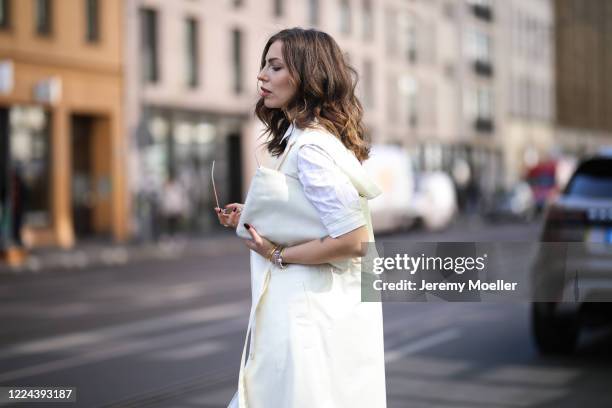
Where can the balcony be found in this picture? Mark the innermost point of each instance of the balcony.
(482, 12)
(483, 68)
(484, 125)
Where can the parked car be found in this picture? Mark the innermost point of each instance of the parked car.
(408, 196)
(548, 178)
(517, 204)
(573, 268)
(435, 200)
(392, 169)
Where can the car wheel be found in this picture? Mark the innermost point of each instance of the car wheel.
(554, 333)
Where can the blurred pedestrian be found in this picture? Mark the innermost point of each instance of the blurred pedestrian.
(18, 199)
(174, 205)
(313, 342)
(462, 174)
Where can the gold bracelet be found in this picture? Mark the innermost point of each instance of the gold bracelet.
(274, 248)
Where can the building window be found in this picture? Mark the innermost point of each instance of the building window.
(313, 12)
(368, 20)
(483, 109)
(191, 41)
(480, 46)
(482, 9)
(345, 16)
(181, 150)
(43, 15)
(278, 8)
(410, 51)
(93, 20)
(368, 83)
(5, 14)
(30, 152)
(479, 49)
(237, 60)
(391, 32)
(149, 45)
(392, 98)
(406, 26)
(485, 103)
(408, 87)
(449, 9)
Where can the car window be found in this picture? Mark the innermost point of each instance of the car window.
(592, 179)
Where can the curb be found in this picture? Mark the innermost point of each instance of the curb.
(87, 257)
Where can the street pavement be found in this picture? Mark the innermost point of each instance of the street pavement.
(168, 332)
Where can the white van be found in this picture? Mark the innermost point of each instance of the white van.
(408, 196)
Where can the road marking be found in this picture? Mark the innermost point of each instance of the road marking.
(422, 344)
(67, 310)
(186, 353)
(189, 317)
(140, 290)
(128, 348)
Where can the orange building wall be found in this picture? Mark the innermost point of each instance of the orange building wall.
(91, 78)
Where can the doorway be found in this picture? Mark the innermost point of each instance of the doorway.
(234, 155)
(91, 176)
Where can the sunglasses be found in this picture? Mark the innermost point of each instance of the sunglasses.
(212, 176)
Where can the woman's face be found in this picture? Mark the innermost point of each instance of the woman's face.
(276, 87)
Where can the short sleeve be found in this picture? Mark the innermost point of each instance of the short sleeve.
(329, 190)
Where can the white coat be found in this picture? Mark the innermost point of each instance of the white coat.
(313, 343)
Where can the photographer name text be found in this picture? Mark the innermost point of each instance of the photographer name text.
(406, 285)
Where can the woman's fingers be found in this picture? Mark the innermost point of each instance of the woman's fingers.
(229, 215)
(256, 238)
(258, 244)
(219, 214)
(224, 219)
(234, 218)
(234, 208)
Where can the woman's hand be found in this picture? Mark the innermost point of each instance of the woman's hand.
(258, 244)
(230, 216)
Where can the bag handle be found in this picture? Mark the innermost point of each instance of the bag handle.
(255, 154)
(281, 159)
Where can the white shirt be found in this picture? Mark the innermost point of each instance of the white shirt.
(328, 189)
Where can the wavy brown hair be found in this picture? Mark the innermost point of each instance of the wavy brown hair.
(325, 85)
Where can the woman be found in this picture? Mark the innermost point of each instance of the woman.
(316, 343)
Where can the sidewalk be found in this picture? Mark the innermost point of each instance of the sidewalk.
(88, 255)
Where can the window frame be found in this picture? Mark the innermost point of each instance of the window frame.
(43, 28)
(92, 31)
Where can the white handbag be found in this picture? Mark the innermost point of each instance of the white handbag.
(267, 208)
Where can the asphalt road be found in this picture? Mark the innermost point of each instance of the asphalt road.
(169, 333)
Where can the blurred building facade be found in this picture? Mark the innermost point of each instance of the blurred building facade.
(61, 118)
(115, 106)
(583, 66)
(527, 86)
(494, 76)
(189, 99)
(429, 78)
